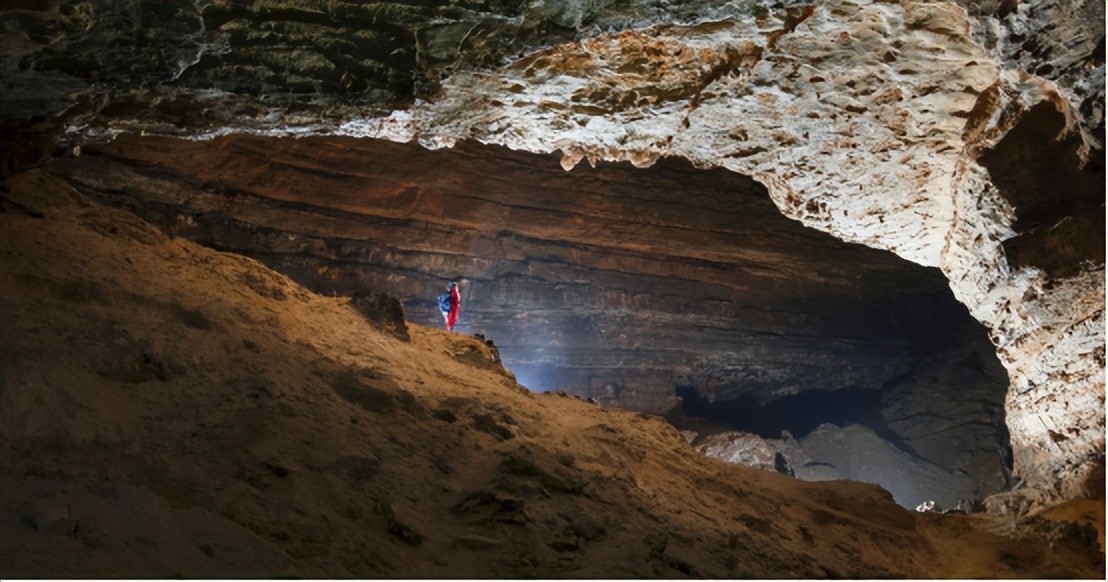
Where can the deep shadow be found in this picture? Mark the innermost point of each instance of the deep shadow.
(799, 414)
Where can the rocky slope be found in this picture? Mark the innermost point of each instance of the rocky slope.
(172, 411)
(598, 281)
(878, 123)
(937, 130)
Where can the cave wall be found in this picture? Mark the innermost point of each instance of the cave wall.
(612, 281)
(642, 288)
(872, 121)
(866, 120)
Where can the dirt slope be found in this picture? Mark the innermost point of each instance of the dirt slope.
(166, 410)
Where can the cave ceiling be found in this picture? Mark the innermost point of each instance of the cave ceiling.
(903, 126)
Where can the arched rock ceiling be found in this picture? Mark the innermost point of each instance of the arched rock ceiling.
(883, 123)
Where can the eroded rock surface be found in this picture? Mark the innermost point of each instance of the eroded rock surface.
(171, 411)
(594, 281)
(851, 452)
(870, 131)
(872, 121)
(597, 283)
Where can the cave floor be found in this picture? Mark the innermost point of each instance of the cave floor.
(169, 411)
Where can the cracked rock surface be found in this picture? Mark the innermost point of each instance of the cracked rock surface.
(170, 411)
(879, 123)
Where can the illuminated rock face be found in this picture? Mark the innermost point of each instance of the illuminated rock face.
(614, 277)
(633, 286)
(865, 120)
(922, 128)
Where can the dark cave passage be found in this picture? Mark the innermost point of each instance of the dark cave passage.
(799, 414)
(936, 432)
(280, 399)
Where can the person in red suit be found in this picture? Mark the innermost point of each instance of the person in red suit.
(451, 306)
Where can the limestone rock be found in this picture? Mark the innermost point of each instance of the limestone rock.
(858, 454)
(381, 310)
(572, 275)
(739, 448)
(178, 477)
(869, 120)
(951, 414)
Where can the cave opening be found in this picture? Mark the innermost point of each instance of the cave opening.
(974, 134)
(664, 289)
(798, 414)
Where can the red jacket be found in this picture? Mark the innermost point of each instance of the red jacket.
(455, 307)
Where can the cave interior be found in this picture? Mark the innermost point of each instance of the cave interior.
(671, 290)
(839, 240)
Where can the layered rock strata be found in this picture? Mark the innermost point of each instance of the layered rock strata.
(169, 411)
(871, 131)
(872, 121)
(613, 278)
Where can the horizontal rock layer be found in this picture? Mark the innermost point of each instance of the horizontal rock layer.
(613, 278)
(170, 411)
(868, 120)
(873, 122)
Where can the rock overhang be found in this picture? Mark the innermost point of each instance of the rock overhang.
(864, 119)
(612, 282)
